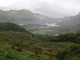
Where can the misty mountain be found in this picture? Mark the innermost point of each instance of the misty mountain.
(72, 22)
(22, 17)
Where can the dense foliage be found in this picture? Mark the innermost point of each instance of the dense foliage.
(21, 45)
(6, 26)
(70, 54)
(16, 44)
(69, 37)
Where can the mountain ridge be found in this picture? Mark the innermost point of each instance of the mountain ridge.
(22, 17)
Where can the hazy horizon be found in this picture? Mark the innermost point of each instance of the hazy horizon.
(51, 8)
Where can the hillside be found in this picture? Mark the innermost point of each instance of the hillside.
(21, 45)
(71, 21)
(14, 41)
(22, 17)
(6, 26)
(69, 24)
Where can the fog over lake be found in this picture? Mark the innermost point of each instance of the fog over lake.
(45, 24)
(50, 24)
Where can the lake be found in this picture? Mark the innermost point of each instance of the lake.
(51, 24)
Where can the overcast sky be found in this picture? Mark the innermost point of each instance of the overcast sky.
(52, 8)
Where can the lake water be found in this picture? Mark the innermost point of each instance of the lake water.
(51, 24)
(47, 25)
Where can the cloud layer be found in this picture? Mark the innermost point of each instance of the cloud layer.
(52, 8)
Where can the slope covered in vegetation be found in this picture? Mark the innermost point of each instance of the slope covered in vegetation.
(6, 26)
(18, 45)
(14, 41)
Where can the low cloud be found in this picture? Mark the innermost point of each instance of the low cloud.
(52, 8)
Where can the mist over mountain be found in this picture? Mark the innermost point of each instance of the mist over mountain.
(73, 20)
(22, 17)
(73, 23)
(26, 17)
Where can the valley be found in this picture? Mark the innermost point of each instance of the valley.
(28, 36)
(39, 29)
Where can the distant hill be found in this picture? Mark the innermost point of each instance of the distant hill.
(72, 22)
(22, 17)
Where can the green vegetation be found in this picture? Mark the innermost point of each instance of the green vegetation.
(6, 26)
(22, 45)
(14, 42)
(70, 54)
(18, 44)
(70, 37)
